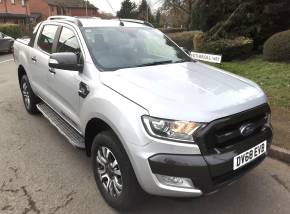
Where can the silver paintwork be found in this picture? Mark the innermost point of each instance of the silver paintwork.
(185, 91)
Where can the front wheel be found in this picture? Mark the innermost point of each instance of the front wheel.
(30, 100)
(113, 172)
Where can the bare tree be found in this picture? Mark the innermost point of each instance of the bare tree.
(184, 6)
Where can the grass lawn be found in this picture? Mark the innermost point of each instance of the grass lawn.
(274, 78)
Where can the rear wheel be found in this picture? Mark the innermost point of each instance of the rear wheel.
(30, 100)
(113, 172)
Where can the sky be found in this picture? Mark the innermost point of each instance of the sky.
(116, 4)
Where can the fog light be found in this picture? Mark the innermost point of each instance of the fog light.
(175, 181)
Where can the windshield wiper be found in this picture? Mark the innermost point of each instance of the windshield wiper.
(155, 63)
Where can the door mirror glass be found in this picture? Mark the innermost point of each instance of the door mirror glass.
(66, 61)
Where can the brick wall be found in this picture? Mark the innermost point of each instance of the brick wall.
(40, 6)
(16, 8)
(82, 12)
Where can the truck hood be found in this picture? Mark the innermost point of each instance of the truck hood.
(185, 91)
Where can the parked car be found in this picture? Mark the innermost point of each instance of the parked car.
(6, 43)
(152, 119)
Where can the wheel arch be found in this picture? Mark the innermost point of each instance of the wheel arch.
(95, 126)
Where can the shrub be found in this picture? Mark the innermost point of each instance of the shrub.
(172, 30)
(184, 39)
(277, 47)
(12, 30)
(237, 48)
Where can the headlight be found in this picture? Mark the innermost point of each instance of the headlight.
(170, 129)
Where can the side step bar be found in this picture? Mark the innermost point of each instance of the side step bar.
(62, 126)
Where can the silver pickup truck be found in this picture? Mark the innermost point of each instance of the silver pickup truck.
(152, 119)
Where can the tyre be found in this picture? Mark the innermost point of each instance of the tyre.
(30, 100)
(113, 172)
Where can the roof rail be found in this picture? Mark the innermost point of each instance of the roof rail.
(66, 18)
(138, 21)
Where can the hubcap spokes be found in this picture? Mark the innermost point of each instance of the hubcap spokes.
(26, 94)
(109, 172)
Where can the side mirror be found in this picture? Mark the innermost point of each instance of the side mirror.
(66, 61)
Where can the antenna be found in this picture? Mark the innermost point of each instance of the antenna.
(121, 23)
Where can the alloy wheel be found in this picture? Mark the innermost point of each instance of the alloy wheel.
(25, 94)
(109, 172)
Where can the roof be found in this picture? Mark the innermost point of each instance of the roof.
(98, 22)
(70, 3)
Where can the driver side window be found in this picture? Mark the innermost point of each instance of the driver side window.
(67, 42)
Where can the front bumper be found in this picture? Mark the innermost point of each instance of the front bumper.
(208, 174)
(209, 163)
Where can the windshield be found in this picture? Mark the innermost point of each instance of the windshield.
(115, 48)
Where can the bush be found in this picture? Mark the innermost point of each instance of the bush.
(277, 47)
(184, 39)
(172, 30)
(237, 48)
(12, 30)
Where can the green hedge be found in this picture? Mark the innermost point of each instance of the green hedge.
(184, 39)
(12, 30)
(277, 47)
(237, 48)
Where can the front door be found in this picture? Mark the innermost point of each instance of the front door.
(64, 84)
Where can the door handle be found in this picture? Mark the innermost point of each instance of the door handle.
(51, 70)
(34, 59)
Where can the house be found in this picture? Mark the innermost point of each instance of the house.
(15, 11)
(41, 9)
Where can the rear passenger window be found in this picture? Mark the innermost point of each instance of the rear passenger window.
(46, 38)
(67, 42)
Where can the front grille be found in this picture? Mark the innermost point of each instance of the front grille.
(224, 133)
(231, 134)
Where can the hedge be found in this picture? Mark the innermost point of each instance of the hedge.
(277, 47)
(172, 30)
(230, 49)
(185, 39)
(12, 30)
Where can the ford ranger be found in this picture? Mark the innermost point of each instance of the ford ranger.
(152, 119)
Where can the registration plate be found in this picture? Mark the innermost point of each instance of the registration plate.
(249, 155)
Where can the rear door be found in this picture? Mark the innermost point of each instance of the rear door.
(39, 57)
(63, 85)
